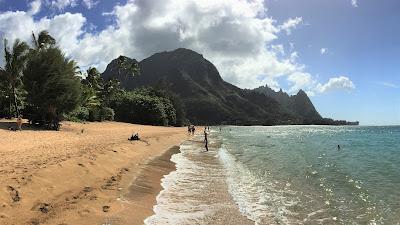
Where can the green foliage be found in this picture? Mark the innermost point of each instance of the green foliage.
(173, 106)
(11, 75)
(179, 111)
(5, 104)
(89, 97)
(94, 114)
(43, 83)
(93, 79)
(125, 65)
(106, 113)
(92, 86)
(137, 107)
(101, 114)
(110, 91)
(52, 85)
(44, 40)
(79, 114)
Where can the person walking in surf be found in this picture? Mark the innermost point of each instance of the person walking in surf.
(193, 129)
(206, 139)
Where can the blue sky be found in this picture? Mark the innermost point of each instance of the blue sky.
(344, 53)
(362, 42)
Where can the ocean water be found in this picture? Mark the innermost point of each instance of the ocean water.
(285, 175)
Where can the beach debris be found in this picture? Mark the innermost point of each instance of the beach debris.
(134, 137)
(106, 208)
(110, 183)
(14, 194)
(45, 207)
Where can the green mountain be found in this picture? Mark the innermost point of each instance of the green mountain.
(299, 104)
(206, 97)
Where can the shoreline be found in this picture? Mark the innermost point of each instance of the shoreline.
(79, 175)
(140, 195)
(197, 191)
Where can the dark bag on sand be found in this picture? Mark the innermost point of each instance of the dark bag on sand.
(134, 137)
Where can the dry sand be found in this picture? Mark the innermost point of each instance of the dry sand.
(83, 174)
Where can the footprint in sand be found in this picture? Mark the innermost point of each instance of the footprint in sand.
(42, 207)
(3, 216)
(14, 194)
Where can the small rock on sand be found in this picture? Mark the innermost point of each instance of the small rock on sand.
(106, 208)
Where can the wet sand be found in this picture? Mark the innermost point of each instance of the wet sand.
(83, 174)
(140, 196)
(197, 192)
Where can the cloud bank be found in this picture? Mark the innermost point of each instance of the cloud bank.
(336, 83)
(236, 35)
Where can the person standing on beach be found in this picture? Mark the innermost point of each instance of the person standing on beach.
(189, 129)
(19, 123)
(193, 129)
(206, 139)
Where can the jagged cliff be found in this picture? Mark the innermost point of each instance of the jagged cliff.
(206, 97)
(299, 104)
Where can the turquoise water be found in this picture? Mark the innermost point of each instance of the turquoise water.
(297, 175)
(284, 175)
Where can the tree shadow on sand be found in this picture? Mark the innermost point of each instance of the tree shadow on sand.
(11, 125)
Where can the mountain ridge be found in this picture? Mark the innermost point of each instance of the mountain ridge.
(206, 97)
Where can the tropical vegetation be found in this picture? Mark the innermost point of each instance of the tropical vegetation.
(39, 82)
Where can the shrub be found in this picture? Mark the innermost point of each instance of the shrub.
(143, 109)
(79, 114)
(106, 113)
(94, 114)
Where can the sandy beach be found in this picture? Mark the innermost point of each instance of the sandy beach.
(84, 174)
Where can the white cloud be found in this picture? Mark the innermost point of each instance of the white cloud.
(90, 3)
(300, 80)
(35, 7)
(235, 35)
(62, 4)
(336, 83)
(354, 3)
(323, 51)
(291, 24)
(388, 84)
(293, 57)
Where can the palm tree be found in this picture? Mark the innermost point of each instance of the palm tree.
(11, 74)
(44, 40)
(92, 88)
(128, 66)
